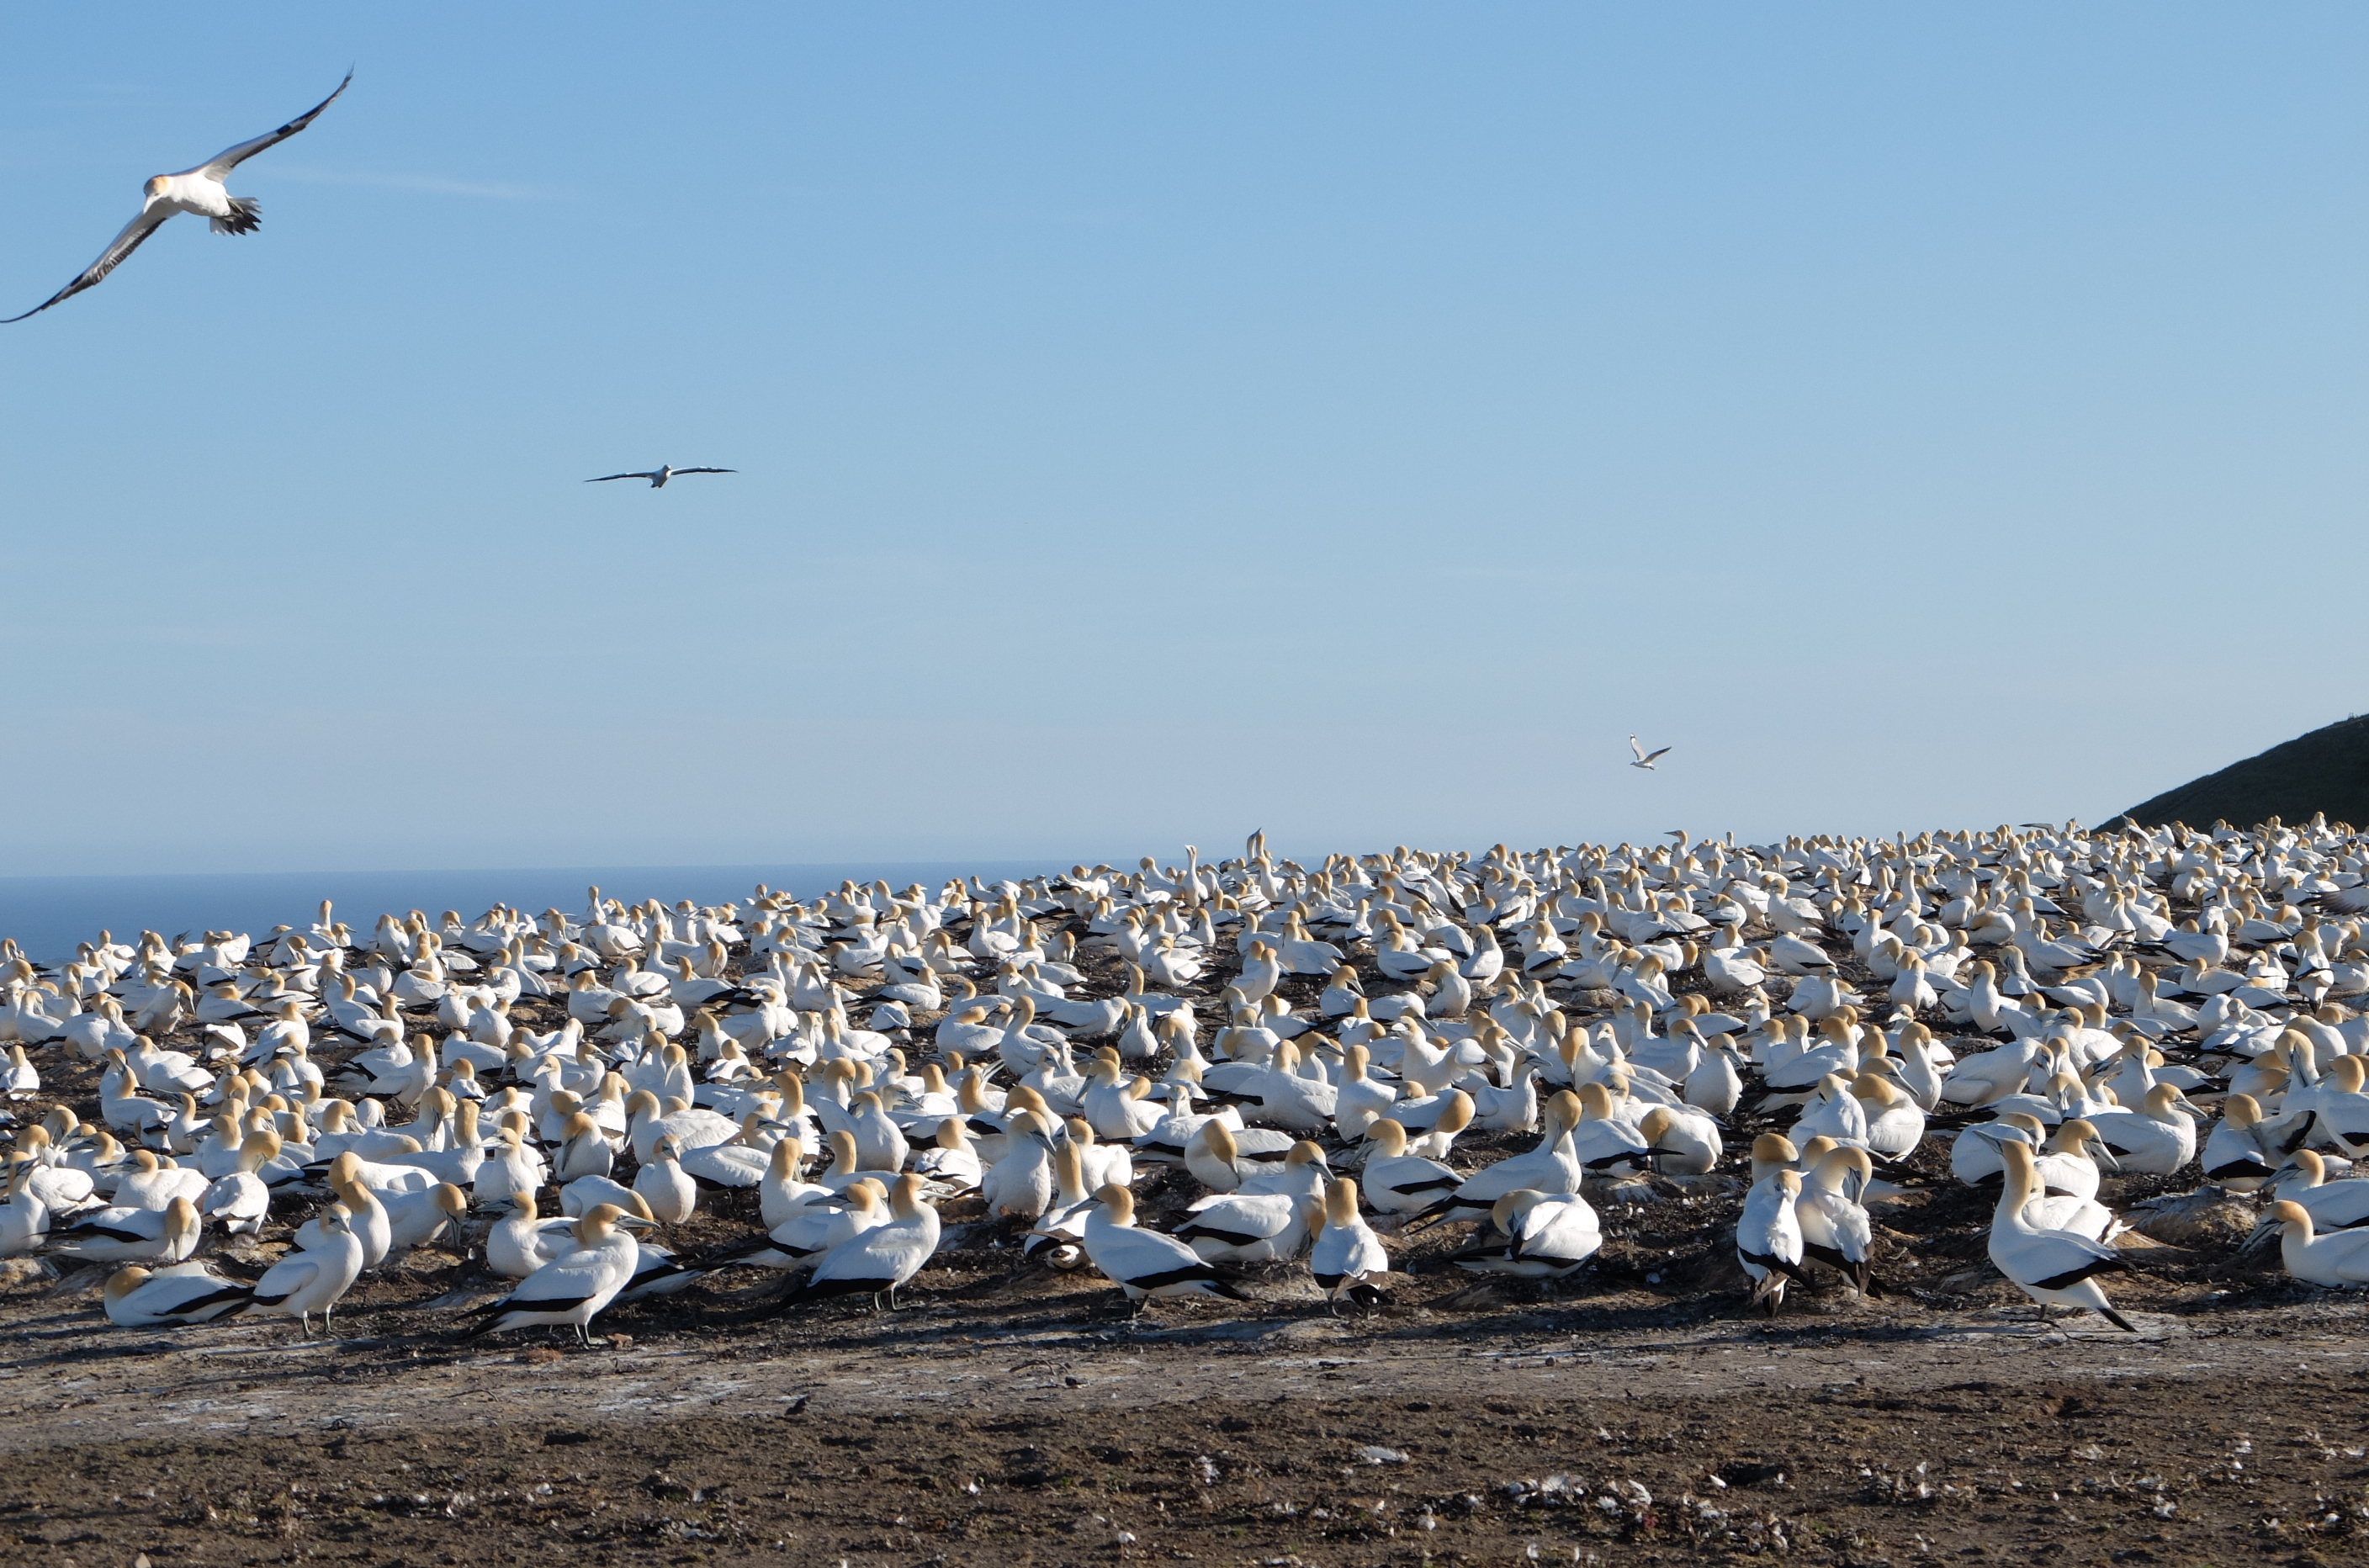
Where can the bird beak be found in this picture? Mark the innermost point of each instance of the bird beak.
(2103, 1155)
(636, 1222)
(2264, 1232)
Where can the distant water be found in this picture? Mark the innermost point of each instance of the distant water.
(48, 915)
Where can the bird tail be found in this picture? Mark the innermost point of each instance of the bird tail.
(2119, 1320)
(245, 217)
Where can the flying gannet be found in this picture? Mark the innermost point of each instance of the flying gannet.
(1644, 758)
(658, 476)
(199, 191)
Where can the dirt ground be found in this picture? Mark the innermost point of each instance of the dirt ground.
(1510, 1433)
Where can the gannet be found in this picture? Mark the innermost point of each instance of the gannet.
(657, 477)
(182, 1293)
(2053, 1268)
(573, 1287)
(1347, 1257)
(192, 191)
(315, 1278)
(1145, 1263)
(877, 1260)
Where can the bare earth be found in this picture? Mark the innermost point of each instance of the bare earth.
(1848, 1434)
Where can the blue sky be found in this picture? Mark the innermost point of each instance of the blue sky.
(1157, 423)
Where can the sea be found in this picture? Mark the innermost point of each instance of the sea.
(49, 915)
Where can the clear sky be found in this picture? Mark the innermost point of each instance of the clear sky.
(1157, 422)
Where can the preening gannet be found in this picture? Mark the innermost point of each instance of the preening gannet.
(199, 191)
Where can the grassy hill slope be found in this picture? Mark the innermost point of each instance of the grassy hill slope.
(2327, 770)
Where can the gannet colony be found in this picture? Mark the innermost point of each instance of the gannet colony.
(1247, 1086)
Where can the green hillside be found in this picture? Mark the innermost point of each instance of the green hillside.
(2327, 770)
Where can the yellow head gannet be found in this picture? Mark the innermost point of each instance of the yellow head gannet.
(182, 1293)
(573, 1287)
(1768, 1236)
(1537, 1235)
(1348, 1258)
(199, 191)
(316, 1278)
(2055, 1268)
(875, 1261)
(1145, 1263)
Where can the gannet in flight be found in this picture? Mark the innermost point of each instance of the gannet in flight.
(198, 190)
(658, 477)
(1644, 758)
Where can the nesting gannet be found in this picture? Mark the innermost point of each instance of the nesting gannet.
(2339, 1257)
(197, 191)
(1145, 1263)
(657, 477)
(1257, 1228)
(1536, 1235)
(1645, 759)
(133, 1235)
(181, 1293)
(875, 1261)
(573, 1287)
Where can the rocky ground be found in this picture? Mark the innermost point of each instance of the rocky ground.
(1540, 1430)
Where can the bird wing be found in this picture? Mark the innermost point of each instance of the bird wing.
(1633, 746)
(563, 1283)
(708, 471)
(123, 244)
(606, 478)
(286, 1277)
(1652, 755)
(229, 158)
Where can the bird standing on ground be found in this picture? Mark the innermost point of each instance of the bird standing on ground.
(657, 477)
(199, 191)
(2055, 1268)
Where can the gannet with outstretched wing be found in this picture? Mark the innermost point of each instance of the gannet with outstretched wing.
(199, 191)
(1644, 758)
(659, 475)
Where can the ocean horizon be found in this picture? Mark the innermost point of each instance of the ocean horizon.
(49, 915)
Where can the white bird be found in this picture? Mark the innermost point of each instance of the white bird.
(184, 1293)
(1644, 758)
(198, 190)
(1768, 1236)
(1348, 1257)
(1538, 1236)
(1259, 1228)
(2055, 1268)
(1145, 1263)
(134, 1235)
(657, 477)
(2339, 1258)
(316, 1278)
(573, 1287)
(877, 1260)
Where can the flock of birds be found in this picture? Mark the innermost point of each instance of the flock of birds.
(1318, 1050)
